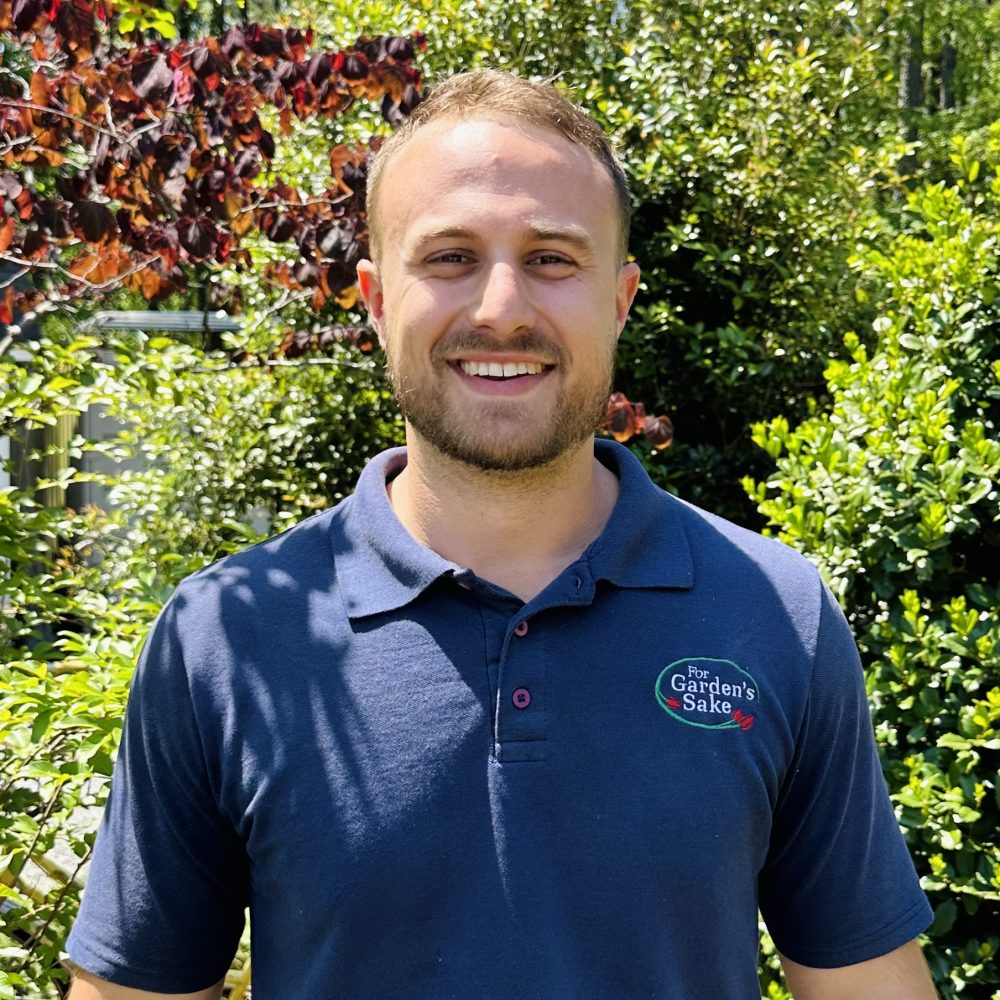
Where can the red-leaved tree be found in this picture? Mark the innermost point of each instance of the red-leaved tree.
(144, 160)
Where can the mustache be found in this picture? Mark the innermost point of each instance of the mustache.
(475, 341)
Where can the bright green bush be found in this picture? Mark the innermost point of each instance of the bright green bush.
(894, 490)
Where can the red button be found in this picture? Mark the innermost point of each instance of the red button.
(521, 628)
(521, 698)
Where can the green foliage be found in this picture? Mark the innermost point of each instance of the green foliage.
(893, 490)
(67, 649)
(745, 130)
(229, 453)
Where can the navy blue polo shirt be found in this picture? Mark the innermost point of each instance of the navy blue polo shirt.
(424, 788)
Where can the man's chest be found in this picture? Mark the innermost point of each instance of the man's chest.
(650, 742)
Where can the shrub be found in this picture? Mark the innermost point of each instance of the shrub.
(67, 649)
(893, 490)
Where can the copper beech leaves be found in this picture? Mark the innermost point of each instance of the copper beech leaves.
(625, 419)
(150, 158)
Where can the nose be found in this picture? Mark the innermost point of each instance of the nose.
(502, 302)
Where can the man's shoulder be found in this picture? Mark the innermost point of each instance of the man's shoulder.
(735, 541)
(730, 555)
(305, 547)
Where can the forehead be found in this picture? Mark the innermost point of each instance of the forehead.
(454, 172)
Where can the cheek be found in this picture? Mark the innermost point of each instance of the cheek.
(420, 309)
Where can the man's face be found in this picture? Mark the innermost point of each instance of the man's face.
(498, 296)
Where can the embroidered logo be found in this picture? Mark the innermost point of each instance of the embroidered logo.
(708, 693)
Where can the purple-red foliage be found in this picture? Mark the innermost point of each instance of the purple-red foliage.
(172, 148)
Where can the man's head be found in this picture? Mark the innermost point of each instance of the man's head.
(490, 93)
(498, 287)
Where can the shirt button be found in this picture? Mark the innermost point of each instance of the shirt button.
(521, 628)
(521, 698)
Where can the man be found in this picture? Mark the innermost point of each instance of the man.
(510, 722)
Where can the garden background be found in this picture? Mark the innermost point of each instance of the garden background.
(816, 193)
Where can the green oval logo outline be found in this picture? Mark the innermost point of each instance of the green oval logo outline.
(662, 702)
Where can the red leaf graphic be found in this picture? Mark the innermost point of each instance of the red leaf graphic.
(673, 703)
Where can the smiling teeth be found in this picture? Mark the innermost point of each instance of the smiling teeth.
(496, 370)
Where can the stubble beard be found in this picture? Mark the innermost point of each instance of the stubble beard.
(505, 437)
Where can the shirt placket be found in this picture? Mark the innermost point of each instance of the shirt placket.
(520, 730)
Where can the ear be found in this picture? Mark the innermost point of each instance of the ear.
(628, 285)
(370, 286)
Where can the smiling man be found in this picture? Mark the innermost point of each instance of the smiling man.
(510, 722)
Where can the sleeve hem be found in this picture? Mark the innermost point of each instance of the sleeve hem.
(915, 920)
(134, 977)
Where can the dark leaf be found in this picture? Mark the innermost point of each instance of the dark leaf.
(391, 112)
(354, 66)
(52, 218)
(620, 418)
(92, 220)
(306, 273)
(319, 68)
(264, 41)
(74, 187)
(659, 431)
(74, 21)
(411, 98)
(373, 49)
(125, 227)
(234, 40)
(100, 165)
(295, 343)
(173, 154)
(198, 237)
(25, 12)
(34, 243)
(400, 49)
(282, 229)
(151, 76)
(247, 164)
(207, 63)
(289, 73)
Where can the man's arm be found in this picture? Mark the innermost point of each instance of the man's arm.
(900, 975)
(88, 987)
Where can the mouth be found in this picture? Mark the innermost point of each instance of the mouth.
(501, 371)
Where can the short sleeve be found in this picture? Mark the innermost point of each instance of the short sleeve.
(163, 907)
(838, 886)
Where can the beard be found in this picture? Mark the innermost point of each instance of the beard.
(504, 435)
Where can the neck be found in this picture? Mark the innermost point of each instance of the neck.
(518, 530)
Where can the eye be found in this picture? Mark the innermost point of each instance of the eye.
(450, 257)
(551, 260)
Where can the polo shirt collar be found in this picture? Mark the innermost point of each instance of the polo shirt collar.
(382, 567)
(644, 543)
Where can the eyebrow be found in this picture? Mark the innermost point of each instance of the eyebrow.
(574, 236)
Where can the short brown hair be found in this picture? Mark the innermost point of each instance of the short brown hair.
(489, 93)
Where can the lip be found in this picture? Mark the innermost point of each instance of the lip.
(517, 385)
